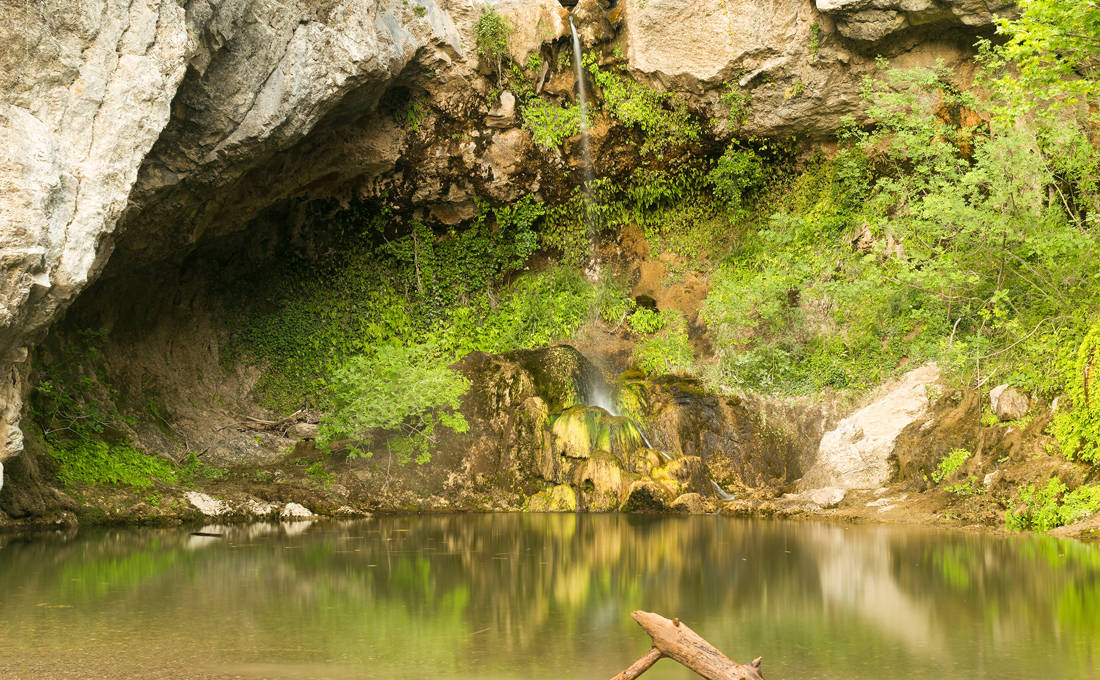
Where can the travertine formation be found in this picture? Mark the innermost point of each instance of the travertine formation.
(133, 131)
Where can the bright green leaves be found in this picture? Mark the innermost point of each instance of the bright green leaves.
(550, 124)
(736, 173)
(662, 118)
(1077, 425)
(1043, 508)
(491, 33)
(407, 389)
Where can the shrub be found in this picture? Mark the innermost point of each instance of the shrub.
(491, 35)
(736, 173)
(550, 125)
(409, 389)
(1077, 425)
(1053, 505)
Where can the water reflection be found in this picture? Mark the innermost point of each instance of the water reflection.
(545, 596)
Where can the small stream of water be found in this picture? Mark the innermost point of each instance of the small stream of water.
(582, 101)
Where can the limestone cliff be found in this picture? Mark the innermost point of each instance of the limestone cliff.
(132, 132)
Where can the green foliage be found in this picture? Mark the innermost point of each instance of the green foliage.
(491, 33)
(736, 173)
(661, 117)
(321, 477)
(738, 103)
(550, 124)
(192, 469)
(950, 230)
(1076, 426)
(412, 115)
(1053, 45)
(405, 388)
(667, 349)
(647, 321)
(613, 301)
(77, 410)
(815, 40)
(373, 288)
(1053, 505)
(949, 464)
(89, 461)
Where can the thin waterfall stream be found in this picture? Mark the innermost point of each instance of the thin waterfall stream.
(601, 396)
(582, 101)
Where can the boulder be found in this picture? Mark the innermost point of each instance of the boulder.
(504, 113)
(827, 497)
(857, 453)
(1008, 403)
(303, 431)
(294, 511)
(561, 498)
(690, 503)
(206, 504)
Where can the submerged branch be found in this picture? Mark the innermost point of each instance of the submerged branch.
(676, 641)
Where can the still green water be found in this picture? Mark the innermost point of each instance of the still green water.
(545, 596)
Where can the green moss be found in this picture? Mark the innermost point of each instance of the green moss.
(97, 462)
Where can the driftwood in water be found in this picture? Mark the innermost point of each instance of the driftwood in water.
(676, 641)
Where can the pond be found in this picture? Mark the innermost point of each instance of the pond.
(545, 596)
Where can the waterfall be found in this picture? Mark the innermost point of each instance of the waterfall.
(598, 393)
(578, 68)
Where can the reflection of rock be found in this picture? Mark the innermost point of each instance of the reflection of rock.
(858, 574)
(857, 453)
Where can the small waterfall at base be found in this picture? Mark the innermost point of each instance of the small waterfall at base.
(598, 393)
(582, 100)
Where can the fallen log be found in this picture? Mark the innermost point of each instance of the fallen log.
(676, 641)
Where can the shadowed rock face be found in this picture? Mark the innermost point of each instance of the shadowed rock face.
(137, 131)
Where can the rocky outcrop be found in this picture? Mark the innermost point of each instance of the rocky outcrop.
(137, 131)
(857, 453)
(84, 93)
(874, 20)
(792, 67)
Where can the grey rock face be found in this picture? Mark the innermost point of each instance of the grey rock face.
(874, 20)
(856, 454)
(84, 93)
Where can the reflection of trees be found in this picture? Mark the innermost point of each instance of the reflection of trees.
(548, 596)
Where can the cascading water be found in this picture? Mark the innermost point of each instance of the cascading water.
(598, 393)
(582, 101)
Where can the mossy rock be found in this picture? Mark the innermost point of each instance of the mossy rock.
(602, 481)
(562, 376)
(645, 496)
(580, 430)
(561, 498)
